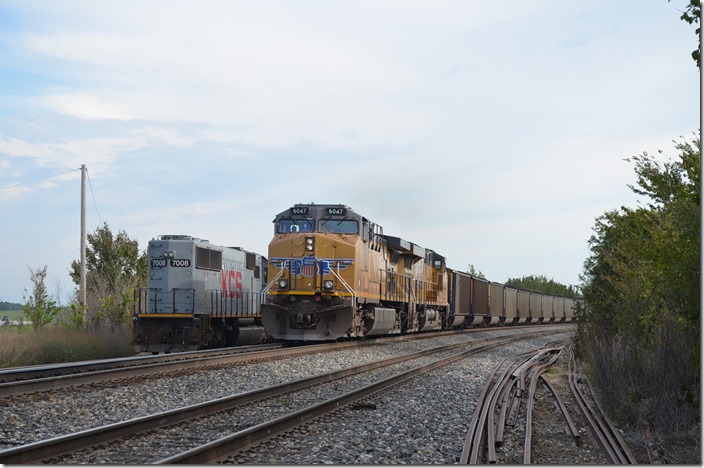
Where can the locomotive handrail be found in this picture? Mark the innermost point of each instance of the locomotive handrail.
(265, 291)
(344, 283)
(231, 303)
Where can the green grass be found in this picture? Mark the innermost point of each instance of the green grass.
(13, 314)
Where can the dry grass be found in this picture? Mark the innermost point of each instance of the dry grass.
(21, 346)
(657, 385)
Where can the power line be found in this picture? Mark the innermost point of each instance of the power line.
(93, 195)
(37, 180)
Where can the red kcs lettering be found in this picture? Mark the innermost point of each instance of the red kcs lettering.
(227, 276)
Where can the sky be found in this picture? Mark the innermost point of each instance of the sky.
(494, 133)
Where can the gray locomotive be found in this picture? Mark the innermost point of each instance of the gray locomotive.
(199, 295)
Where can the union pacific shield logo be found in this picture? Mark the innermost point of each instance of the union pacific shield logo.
(307, 266)
(310, 266)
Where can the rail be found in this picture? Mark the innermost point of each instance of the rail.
(606, 435)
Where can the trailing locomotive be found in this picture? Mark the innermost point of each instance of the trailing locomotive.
(199, 295)
(336, 274)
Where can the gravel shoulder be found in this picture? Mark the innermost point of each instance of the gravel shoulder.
(420, 422)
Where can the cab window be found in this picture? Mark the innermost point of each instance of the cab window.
(294, 225)
(339, 226)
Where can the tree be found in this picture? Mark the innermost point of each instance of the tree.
(691, 15)
(38, 306)
(114, 267)
(543, 285)
(648, 258)
(641, 285)
(476, 273)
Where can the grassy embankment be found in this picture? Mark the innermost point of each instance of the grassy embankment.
(22, 346)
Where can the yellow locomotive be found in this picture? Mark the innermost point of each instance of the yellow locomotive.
(335, 274)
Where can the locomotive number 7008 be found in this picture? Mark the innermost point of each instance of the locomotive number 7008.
(174, 262)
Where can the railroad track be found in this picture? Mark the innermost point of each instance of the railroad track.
(18, 381)
(607, 436)
(16, 375)
(167, 429)
(31, 379)
(513, 384)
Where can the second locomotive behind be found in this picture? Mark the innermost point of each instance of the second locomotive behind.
(199, 295)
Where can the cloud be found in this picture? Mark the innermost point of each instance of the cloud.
(492, 133)
(85, 106)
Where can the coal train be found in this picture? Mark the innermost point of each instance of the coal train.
(198, 295)
(334, 274)
(337, 275)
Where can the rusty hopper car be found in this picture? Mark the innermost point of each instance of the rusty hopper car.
(336, 274)
(199, 295)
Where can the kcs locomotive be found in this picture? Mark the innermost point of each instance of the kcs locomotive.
(336, 274)
(199, 295)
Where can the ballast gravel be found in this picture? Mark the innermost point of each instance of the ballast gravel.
(420, 422)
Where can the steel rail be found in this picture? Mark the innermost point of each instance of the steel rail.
(219, 449)
(13, 375)
(563, 409)
(495, 394)
(22, 380)
(613, 448)
(37, 451)
(88, 377)
(17, 374)
(536, 369)
(616, 435)
(501, 423)
(494, 428)
(470, 452)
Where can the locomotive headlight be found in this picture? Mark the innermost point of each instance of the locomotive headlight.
(328, 285)
(310, 244)
(283, 284)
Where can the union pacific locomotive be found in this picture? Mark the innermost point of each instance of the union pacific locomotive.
(199, 295)
(336, 274)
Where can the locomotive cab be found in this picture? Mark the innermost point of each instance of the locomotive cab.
(315, 263)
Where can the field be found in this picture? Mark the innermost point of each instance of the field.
(13, 314)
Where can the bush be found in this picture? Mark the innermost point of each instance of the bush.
(654, 384)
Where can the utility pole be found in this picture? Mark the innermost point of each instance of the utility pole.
(82, 286)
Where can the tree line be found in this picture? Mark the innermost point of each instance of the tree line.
(642, 287)
(10, 306)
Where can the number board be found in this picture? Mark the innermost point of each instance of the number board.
(174, 262)
(300, 210)
(335, 211)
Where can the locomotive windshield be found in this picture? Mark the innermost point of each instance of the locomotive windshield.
(339, 226)
(295, 225)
